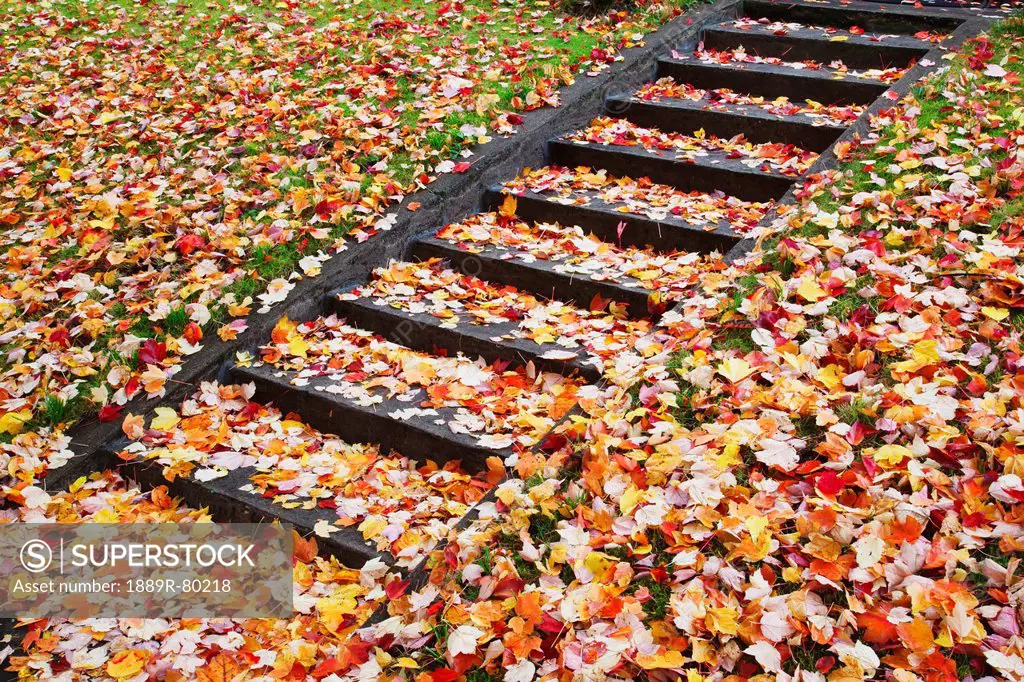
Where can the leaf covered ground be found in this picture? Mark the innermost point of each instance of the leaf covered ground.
(810, 470)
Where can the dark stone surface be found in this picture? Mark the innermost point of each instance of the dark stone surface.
(867, 15)
(728, 120)
(710, 173)
(798, 46)
(931, 63)
(772, 81)
(601, 219)
(227, 504)
(500, 265)
(418, 437)
(424, 332)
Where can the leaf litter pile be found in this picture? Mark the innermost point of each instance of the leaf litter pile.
(810, 470)
(168, 168)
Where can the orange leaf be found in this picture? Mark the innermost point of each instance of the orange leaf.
(305, 550)
(221, 668)
(877, 628)
(508, 206)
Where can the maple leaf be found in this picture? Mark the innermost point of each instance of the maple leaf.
(222, 668)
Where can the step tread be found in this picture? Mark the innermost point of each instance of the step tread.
(740, 109)
(646, 225)
(709, 159)
(861, 12)
(623, 195)
(791, 29)
(809, 75)
(572, 254)
(482, 316)
(475, 404)
(736, 153)
(592, 201)
(740, 59)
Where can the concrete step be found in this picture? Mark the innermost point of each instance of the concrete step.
(856, 51)
(666, 232)
(769, 80)
(871, 16)
(228, 503)
(418, 436)
(726, 120)
(437, 307)
(714, 171)
(497, 263)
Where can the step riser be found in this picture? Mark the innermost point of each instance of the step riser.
(398, 328)
(537, 280)
(749, 80)
(796, 49)
(752, 186)
(881, 20)
(725, 124)
(366, 425)
(640, 231)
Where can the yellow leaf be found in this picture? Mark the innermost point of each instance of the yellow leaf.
(331, 611)
(297, 346)
(831, 376)
(64, 173)
(289, 424)
(723, 620)
(997, 314)
(756, 525)
(669, 659)
(165, 420)
(735, 369)
(811, 291)
(14, 422)
(406, 662)
(597, 563)
(127, 663)
(925, 353)
(108, 116)
(372, 526)
(630, 498)
(891, 455)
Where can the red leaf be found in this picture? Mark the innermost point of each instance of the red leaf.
(830, 484)
(462, 167)
(396, 588)
(189, 243)
(152, 352)
(326, 667)
(109, 413)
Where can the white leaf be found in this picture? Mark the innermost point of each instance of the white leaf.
(463, 640)
(209, 474)
(520, 672)
(35, 497)
(995, 71)
(766, 655)
(779, 454)
(324, 529)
